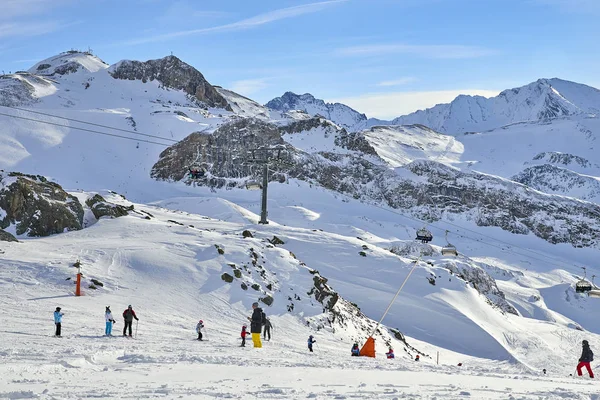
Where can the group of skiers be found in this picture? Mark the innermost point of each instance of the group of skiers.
(128, 317)
(259, 321)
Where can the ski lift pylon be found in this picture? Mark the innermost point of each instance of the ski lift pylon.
(449, 249)
(424, 235)
(583, 285)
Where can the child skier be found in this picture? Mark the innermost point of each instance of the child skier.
(587, 356)
(199, 328)
(109, 321)
(58, 321)
(390, 354)
(355, 350)
(311, 340)
(244, 334)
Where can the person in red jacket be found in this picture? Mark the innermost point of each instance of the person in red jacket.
(128, 316)
(244, 334)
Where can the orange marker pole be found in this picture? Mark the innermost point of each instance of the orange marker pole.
(78, 289)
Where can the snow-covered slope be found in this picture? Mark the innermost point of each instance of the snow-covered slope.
(341, 114)
(400, 145)
(541, 100)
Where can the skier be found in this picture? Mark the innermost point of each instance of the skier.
(267, 330)
(355, 350)
(256, 324)
(418, 358)
(128, 316)
(311, 340)
(109, 321)
(58, 321)
(390, 354)
(244, 333)
(587, 356)
(199, 328)
(544, 371)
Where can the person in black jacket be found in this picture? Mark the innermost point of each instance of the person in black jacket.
(256, 324)
(587, 356)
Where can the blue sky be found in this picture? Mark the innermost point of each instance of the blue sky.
(383, 57)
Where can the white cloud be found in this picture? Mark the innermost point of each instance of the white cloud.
(398, 82)
(245, 23)
(427, 51)
(247, 87)
(395, 104)
(13, 29)
(9, 9)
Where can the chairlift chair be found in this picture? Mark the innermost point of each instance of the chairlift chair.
(449, 249)
(424, 235)
(583, 285)
(253, 184)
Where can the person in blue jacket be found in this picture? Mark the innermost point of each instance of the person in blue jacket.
(311, 340)
(58, 321)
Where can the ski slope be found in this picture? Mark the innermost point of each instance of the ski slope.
(169, 270)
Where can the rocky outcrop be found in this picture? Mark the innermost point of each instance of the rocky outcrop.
(7, 237)
(552, 179)
(481, 281)
(172, 73)
(566, 159)
(102, 208)
(221, 153)
(37, 207)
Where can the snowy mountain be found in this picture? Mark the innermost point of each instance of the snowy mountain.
(344, 205)
(341, 114)
(539, 101)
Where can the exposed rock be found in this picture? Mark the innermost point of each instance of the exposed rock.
(482, 282)
(172, 73)
(247, 234)
(7, 237)
(37, 207)
(102, 208)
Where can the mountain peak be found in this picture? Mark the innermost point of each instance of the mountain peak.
(69, 62)
(341, 114)
(173, 73)
(540, 100)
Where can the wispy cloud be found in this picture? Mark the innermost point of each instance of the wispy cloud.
(427, 51)
(248, 87)
(9, 9)
(28, 28)
(391, 105)
(398, 82)
(248, 23)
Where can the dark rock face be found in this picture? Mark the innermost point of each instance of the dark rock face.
(238, 137)
(7, 237)
(37, 207)
(101, 208)
(173, 73)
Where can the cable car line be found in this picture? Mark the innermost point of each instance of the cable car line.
(84, 129)
(92, 123)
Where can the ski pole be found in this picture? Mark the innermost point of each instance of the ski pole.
(136, 326)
